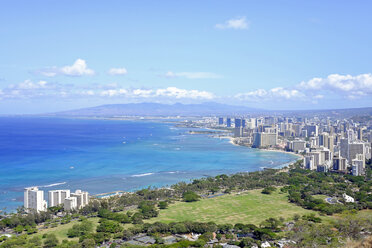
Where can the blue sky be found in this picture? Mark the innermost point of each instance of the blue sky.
(57, 55)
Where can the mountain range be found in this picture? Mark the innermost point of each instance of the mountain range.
(201, 109)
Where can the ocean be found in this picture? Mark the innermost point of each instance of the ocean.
(108, 155)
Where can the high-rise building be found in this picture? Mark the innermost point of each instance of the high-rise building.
(358, 165)
(243, 123)
(34, 199)
(220, 121)
(354, 150)
(262, 139)
(296, 145)
(57, 197)
(238, 132)
(238, 122)
(339, 163)
(309, 162)
(70, 203)
(312, 130)
(228, 122)
(82, 198)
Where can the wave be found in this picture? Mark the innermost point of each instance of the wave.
(51, 185)
(143, 175)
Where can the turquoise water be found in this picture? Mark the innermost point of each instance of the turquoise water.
(106, 155)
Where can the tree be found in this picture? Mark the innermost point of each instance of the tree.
(88, 243)
(163, 204)
(19, 229)
(109, 226)
(81, 229)
(268, 190)
(190, 196)
(35, 241)
(50, 241)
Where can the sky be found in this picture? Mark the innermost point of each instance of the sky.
(280, 55)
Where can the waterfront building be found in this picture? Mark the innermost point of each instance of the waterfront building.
(220, 121)
(238, 122)
(309, 162)
(70, 203)
(82, 198)
(34, 199)
(263, 139)
(228, 122)
(298, 145)
(316, 158)
(238, 132)
(57, 197)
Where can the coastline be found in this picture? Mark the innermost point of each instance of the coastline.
(232, 141)
(127, 179)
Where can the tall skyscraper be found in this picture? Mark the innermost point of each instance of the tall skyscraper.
(238, 122)
(220, 121)
(34, 199)
(70, 203)
(57, 197)
(82, 198)
(228, 122)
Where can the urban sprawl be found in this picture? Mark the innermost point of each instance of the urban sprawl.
(326, 145)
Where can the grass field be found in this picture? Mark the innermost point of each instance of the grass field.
(250, 207)
(61, 230)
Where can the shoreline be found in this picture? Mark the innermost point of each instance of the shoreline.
(232, 141)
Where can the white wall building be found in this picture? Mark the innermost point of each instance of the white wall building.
(70, 203)
(34, 199)
(57, 197)
(82, 198)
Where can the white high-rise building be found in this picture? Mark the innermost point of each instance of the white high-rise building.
(70, 203)
(82, 198)
(358, 165)
(57, 197)
(34, 199)
(309, 162)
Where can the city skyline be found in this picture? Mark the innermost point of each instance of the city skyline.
(287, 55)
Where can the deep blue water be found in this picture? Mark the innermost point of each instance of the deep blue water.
(106, 155)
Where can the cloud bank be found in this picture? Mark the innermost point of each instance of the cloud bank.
(238, 23)
(118, 71)
(191, 75)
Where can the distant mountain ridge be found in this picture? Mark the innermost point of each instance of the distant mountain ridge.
(159, 109)
(201, 109)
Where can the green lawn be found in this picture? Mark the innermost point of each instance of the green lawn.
(61, 230)
(250, 207)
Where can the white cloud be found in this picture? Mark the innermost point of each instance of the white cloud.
(348, 85)
(170, 92)
(238, 23)
(118, 71)
(181, 93)
(274, 93)
(28, 89)
(78, 68)
(28, 84)
(192, 75)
